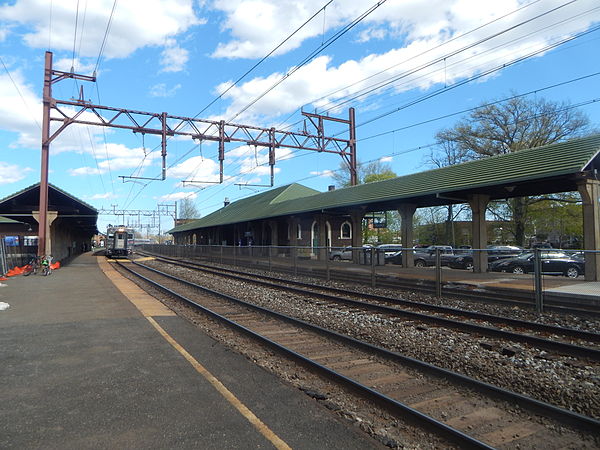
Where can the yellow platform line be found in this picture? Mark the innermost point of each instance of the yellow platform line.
(143, 301)
(226, 393)
(149, 307)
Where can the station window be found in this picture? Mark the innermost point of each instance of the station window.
(346, 231)
(299, 232)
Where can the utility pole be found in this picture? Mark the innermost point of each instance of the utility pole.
(166, 125)
(50, 77)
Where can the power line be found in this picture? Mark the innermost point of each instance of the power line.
(20, 94)
(108, 25)
(312, 55)
(535, 91)
(377, 86)
(478, 76)
(264, 58)
(75, 37)
(409, 59)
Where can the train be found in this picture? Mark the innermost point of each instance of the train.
(119, 241)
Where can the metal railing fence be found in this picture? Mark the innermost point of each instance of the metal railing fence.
(536, 275)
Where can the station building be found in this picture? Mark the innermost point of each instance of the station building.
(295, 215)
(71, 223)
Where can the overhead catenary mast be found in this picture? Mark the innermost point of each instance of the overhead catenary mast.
(166, 125)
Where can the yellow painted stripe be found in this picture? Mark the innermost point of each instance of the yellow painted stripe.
(232, 399)
(148, 305)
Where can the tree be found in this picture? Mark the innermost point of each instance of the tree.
(367, 173)
(187, 209)
(370, 173)
(448, 153)
(514, 125)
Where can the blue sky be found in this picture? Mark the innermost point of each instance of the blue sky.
(176, 56)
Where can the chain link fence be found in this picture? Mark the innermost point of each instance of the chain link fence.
(537, 277)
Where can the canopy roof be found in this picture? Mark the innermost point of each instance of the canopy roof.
(542, 170)
(74, 212)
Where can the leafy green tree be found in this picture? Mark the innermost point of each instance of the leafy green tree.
(370, 173)
(367, 173)
(517, 124)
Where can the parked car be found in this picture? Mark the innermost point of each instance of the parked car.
(461, 261)
(345, 253)
(553, 263)
(393, 253)
(494, 253)
(341, 254)
(425, 257)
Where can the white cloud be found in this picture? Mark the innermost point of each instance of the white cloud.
(117, 157)
(178, 196)
(106, 195)
(195, 168)
(174, 59)
(161, 90)
(425, 40)
(386, 159)
(322, 174)
(3, 33)
(79, 65)
(135, 24)
(20, 108)
(11, 173)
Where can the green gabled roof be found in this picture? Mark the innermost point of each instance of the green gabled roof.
(251, 208)
(530, 165)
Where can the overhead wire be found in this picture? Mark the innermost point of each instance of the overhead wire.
(75, 36)
(469, 80)
(319, 49)
(479, 76)
(106, 32)
(277, 47)
(377, 86)
(20, 94)
(311, 56)
(410, 59)
(456, 113)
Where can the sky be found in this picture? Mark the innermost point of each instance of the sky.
(407, 67)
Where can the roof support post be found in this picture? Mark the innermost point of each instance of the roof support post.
(590, 196)
(293, 223)
(356, 218)
(478, 203)
(407, 213)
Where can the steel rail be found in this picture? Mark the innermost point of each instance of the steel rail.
(566, 416)
(457, 436)
(571, 349)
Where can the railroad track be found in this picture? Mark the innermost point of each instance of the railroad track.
(468, 412)
(566, 341)
(496, 295)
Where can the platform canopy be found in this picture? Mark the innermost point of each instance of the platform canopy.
(542, 170)
(75, 214)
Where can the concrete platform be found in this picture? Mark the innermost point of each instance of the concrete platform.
(84, 367)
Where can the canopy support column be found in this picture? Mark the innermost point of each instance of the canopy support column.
(407, 213)
(478, 203)
(590, 196)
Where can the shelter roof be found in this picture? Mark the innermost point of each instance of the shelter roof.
(251, 208)
(542, 170)
(75, 212)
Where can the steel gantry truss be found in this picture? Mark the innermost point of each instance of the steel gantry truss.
(162, 209)
(166, 125)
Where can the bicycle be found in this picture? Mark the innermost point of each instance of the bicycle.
(33, 267)
(46, 265)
